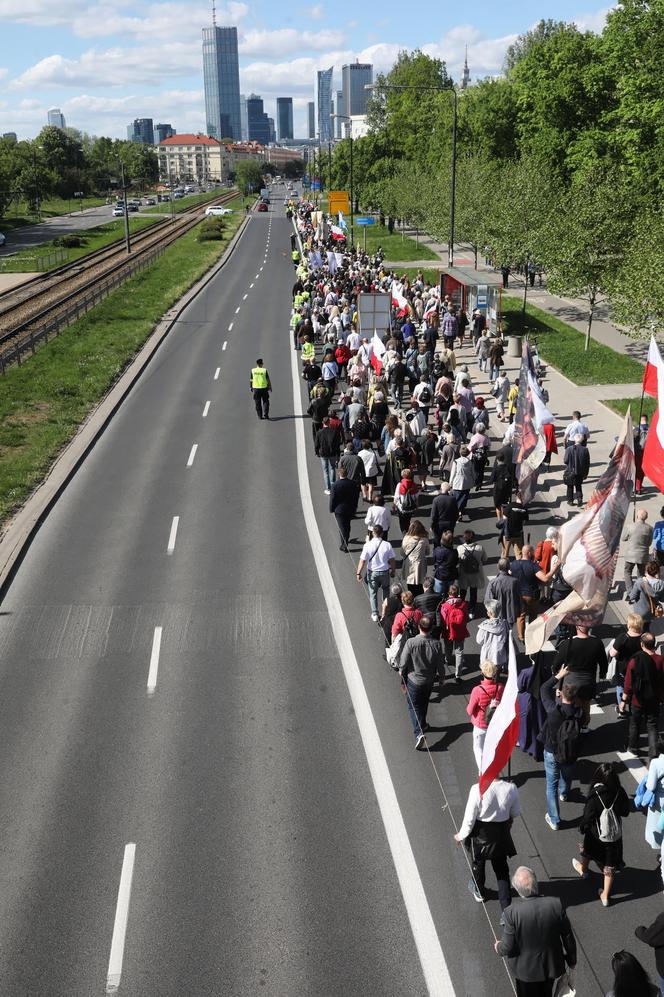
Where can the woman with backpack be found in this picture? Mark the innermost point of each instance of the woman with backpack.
(454, 614)
(405, 499)
(416, 549)
(403, 627)
(647, 593)
(472, 558)
(482, 704)
(601, 825)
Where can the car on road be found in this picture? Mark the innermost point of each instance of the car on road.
(151, 200)
(262, 206)
(118, 211)
(216, 209)
(132, 207)
(178, 194)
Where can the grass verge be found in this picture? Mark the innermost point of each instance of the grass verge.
(43, 402)
(431, 275)
(620, 405)
(92, 239)
(562, 346)
(395, 246)
(20, 214)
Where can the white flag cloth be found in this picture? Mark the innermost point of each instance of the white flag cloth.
(503, 730)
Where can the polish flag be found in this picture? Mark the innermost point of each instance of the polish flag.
(398, 300)
(503, 730)
(653, 452)
(336, 232)
(653, 365)
(377, 351)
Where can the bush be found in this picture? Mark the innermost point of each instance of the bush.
(211, 228)
(69, 241)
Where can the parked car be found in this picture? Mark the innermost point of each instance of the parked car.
(262, 206)
(132, 207)
(178, 194)
(216, 209)
(150, 200)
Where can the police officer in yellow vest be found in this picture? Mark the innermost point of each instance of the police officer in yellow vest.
(261, 388)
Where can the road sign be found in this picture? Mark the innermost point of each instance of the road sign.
(338, 200)
(364, 221)
(315, 185)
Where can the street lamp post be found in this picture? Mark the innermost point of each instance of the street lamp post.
(346, 117)
(126, 209)
(453, 89)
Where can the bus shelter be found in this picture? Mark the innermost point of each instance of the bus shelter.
(471, 289)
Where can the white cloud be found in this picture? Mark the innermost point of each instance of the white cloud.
(593, 21)
(316, 11)
(286, 40)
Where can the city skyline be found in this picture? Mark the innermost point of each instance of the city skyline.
(104, 66)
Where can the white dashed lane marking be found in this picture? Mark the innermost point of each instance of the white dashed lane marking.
(217, 373)
(224, 346)
(206, 409)
(192, 455)
(172, 535)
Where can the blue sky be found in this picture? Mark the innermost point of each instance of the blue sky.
(106, 63)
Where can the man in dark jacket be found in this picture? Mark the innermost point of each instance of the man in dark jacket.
(561, 708)
(444, 513)
(643, 690)
(327, 446)
(505, 590)
(577, 465)
(343, 502)
(354, 468)
(422, 658)
(537, 938)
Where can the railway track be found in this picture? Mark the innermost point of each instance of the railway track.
(44, 305)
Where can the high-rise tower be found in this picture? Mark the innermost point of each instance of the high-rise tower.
(324, 94)
(465, 79)
(285, 117)
(221, 80)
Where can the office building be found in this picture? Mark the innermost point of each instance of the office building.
(311, 120)
(259, 125)
(56, 118)
(221, 81)
(273, 130)
(194, 158)
(339, 110)
(284, 117)
(162, 132)
(141, 130)
(324, 95)
(354, 78)
(244, 122)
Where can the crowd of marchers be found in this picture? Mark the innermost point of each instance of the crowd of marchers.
(414, 431)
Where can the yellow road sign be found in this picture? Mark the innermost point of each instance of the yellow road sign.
(339, 201)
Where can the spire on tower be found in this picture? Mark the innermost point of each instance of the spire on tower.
(214, 14)
(465, 79)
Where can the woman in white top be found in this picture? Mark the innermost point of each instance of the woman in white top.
(370, 461)
(486, 832)
(378, 514)
(416, 549)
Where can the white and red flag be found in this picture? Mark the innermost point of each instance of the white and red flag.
(653, 365)
(398, 300)
(337, 233)
(377, 352)
(503, 730)
(652, 461)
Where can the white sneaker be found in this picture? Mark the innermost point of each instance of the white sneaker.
(420, 742)
(554, 827)
(374, 617)
(327, 491)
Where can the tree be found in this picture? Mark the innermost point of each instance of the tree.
(637, 293)
(475, 196)
(583, 242)
(293, 169)
(248, 175)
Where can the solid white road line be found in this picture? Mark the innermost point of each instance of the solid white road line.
(230, 328)
(154, 661)
(217, 373)
(192, 455)
(633, 764)
(434, 966)
(121, 916)
(224, 346)
(172, 535)
(206, 409)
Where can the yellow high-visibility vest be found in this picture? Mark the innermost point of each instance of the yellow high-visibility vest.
(258, 377)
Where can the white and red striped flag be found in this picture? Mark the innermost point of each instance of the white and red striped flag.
(653, 365)
(398, 299)
(377, 352)
(503, 730)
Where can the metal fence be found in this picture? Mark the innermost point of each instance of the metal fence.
(37, 263)
(13, 354)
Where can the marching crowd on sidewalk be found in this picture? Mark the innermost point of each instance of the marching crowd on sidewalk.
(398, 422)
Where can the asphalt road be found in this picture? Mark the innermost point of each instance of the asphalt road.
(261, 861)
(34, 235)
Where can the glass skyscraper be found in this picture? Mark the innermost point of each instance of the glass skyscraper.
(354, 77)
(221, 79)
(324, 94)
(259, 125)
(284, 117)
(311, 119)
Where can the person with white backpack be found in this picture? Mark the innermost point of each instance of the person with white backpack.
(601, 825)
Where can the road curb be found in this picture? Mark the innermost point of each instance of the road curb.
(22, 528)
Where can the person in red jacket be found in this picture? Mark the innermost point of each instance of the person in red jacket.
(549, 434)
(407, 613)
(454, 614)
(342, 355)
(483, 700)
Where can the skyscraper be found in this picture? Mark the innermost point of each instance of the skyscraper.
(354, 78)
(162, 132)
(141, 130)
(221, 80)
(56, 118)
(284, 117)
(311, 119)
(244, 121)
(339, 109)
(324, 94)
(273, 130)
(259, 124)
